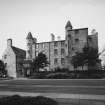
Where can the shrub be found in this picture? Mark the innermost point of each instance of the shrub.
(96, 76)
(40, 75)
(72, 75)
(81, 76)
(17, 100)
(58, 75)
(58, 69)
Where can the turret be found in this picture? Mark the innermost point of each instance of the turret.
(29, 36)
(68, 29)
(68, 26)
(30, 41)
(68, 37)
(34, 48)
(52, 37)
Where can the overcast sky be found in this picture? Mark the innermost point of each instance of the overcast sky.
(42, 17)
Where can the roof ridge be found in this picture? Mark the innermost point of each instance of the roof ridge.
(18, 51)
(18, 48)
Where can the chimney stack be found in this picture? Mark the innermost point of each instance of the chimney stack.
(52, 37)
(9, 42)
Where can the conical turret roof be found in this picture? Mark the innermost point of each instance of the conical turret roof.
(29, 36)
(68, 24)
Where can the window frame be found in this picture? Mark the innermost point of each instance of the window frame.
(62, 51)
(55, 52)
(55, 61)
(62, 43)
(62, 61)
(55, 44)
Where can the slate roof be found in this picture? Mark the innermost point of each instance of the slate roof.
(19, 52)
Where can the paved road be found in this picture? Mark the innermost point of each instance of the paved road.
(91, 87)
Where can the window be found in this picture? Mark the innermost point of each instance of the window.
(55, 44)
(43, 45)
(62, 51)
(55, 52)
(36, 53)
(5, 64)
(62, 44)
(55, 61)
(44, 52)
(69, 36)
(5, 56)
(73, 48)
(62, 61)
(89, 39)
(76, 31)
(37, 45)
(66, 45)
(28, 44)
(29, 52)
(76, 40)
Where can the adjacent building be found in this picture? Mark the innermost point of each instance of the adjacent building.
(13, 58)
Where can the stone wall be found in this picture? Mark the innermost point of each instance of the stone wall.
(9, 59)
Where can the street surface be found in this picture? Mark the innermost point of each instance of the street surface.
(69, 86)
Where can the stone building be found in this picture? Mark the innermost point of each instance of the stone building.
(13, 58)
(58, 52)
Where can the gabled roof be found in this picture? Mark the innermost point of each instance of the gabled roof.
(19, 52)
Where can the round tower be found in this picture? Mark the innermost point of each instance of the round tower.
(68, 26)
(29, 42)
(68, 44)
(68, 37)
(34, 48)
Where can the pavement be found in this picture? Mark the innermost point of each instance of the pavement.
(63, 90)
(55, 95)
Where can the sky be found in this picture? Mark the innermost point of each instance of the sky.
(43, 17)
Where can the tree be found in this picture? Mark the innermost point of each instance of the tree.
(40, 62)
(89, 56)
(2, 68)
(78, 60)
